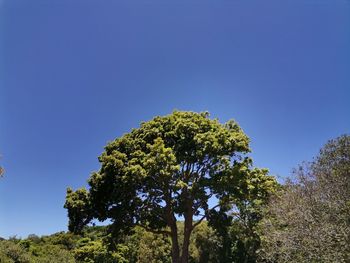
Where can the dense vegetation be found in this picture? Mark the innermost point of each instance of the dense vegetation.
(309, 221)
(92, 245)
(306, 219)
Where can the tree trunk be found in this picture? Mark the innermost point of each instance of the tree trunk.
(187, 229)
(171, 222)
(185, 245)
(175, 251)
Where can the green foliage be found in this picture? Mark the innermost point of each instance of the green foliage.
(78, 206)
(244, 236)
(152, 248)
(51, 253)
(92, 245)
(11, 252)
(170, 166)
(95, 251)
(205, 245)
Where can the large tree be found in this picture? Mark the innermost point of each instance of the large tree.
(167, 170)
(309, 221)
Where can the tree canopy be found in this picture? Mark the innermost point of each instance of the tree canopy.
(168, 169)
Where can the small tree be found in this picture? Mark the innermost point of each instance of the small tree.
(167, 169)
(310, 220)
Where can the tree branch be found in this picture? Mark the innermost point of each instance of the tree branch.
(203, 217)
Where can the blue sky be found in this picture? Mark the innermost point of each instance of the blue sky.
(77, 74)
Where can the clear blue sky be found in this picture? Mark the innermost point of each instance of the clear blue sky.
(76, 74)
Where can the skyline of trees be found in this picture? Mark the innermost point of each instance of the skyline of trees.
(305, 219)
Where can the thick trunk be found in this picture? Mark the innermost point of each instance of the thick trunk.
(171, 222)
(185, 245)
(187, 229)
(175, 250)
